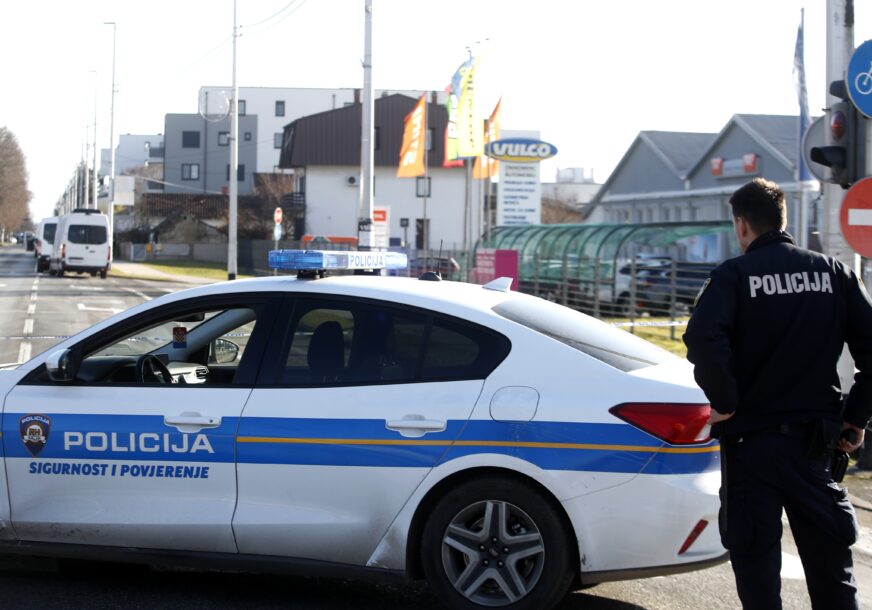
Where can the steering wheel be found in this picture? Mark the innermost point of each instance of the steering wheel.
(149, 368)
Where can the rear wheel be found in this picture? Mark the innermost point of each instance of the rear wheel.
(496, 542)
(103, 274)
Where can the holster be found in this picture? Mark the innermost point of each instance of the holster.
(823, 439)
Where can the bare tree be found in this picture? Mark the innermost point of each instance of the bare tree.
(14, 196)
(555, 211)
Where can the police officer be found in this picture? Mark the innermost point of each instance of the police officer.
(765, 337)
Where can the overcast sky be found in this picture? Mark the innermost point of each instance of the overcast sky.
(588, 75)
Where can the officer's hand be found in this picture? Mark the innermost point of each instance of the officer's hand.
(847, 447)
(716, 417)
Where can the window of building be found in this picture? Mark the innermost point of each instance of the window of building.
(248, 136)
(280, 108)
(223, 138)
(376, 137)
(240, 173)
(190, 139)
(277, 140)
(241, 107)
(665, 214)
(190, 171)
(431, 137)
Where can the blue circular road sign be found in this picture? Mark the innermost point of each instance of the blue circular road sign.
(859, 78)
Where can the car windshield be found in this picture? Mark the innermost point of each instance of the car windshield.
(597, 339)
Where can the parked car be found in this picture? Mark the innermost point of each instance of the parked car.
(502, 447)
(445, 266)
(655, 289)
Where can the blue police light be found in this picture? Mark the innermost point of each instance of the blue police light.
(318, 260)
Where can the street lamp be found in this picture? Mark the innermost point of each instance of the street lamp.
(112, 145)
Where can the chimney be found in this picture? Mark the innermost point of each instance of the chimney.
(357, 96)
(434, 97)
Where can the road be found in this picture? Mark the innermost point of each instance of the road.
(36, 311)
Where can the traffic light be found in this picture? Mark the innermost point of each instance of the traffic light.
(846, 155)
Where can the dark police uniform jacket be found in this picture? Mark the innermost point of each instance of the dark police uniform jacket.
(766, 334)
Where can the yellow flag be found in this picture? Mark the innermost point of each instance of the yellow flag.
(414, 141)
(485, 166)
(470, 135)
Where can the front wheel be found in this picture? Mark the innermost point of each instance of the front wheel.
(496, 542)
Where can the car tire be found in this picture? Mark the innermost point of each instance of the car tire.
(623, 308)
(530, 566)
(102, 274)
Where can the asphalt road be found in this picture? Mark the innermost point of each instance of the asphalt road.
(36, 311)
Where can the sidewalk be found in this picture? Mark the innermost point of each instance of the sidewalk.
(139, 271)
(859, 484)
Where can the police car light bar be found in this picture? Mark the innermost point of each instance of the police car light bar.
(325, 260)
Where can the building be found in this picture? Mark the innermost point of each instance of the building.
(324, 151)
(197, 154)
(677, 177)
(275, 107)
(133, 151)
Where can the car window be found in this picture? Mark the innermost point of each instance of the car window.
(597, 339)
(87, 234)
(201, 347)
(48, 231)
(351, 342)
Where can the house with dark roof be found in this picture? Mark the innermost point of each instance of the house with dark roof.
(323, 149)
(673, 176)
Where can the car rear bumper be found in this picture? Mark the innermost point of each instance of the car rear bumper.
(640, 526)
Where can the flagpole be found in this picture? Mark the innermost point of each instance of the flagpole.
(803, 213)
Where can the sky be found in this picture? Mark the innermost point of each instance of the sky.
(587, 75)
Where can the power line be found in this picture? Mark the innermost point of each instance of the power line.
(279, 12)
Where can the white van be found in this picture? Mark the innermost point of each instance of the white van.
(81, 244)
(44, 244)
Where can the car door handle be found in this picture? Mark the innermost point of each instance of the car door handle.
(415, 425)
(192, 422)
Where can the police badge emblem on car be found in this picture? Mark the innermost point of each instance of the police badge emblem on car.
(34, 432)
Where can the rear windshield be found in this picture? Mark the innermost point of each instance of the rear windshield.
(597, 339)
(48, 231)
(87, 234)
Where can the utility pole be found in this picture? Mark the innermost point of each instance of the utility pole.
(364, 225)
(840, 46)
(234, 164)
(112, 146)
(94, 152)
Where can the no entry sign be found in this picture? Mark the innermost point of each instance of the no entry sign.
(856, 217)
(277, 216)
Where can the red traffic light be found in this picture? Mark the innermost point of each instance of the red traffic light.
(838, 124)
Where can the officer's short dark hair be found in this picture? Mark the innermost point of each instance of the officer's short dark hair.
(762, 204)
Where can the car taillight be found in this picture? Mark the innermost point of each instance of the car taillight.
(109, 254)
(63, 250)
(675, 423)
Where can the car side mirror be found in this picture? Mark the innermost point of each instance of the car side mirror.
(62, 366)
(222, 351)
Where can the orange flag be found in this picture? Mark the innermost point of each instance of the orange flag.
(414, 141)
(485, 167)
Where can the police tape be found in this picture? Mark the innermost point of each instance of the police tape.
(651, 324)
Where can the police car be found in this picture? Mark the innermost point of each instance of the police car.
(503, 447)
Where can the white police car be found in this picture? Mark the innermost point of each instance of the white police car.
(503, 447)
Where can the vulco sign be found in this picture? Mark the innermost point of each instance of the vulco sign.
(520, 150)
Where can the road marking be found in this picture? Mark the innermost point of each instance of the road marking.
(78, 287)
(83, 307)
(31, 309)
(857, 217)
(24, 351)
(791, 567)
(34, 296)
(141, 295)
(28, 327)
